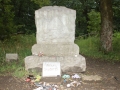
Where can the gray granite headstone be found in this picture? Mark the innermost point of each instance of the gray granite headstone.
(55, 37)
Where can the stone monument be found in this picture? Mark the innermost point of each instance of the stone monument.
(55, 37)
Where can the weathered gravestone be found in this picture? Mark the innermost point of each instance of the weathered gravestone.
(55, 40)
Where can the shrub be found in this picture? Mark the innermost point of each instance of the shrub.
(94, 22)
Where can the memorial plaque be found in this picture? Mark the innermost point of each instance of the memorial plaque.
(51, 69)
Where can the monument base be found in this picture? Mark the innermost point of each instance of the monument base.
(73, 64)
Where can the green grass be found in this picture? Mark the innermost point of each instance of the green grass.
(90, 47)
(20, 72)
(20, 44)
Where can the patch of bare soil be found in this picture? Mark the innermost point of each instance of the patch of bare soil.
(109, 72)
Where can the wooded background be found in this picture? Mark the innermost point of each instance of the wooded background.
(101, 17)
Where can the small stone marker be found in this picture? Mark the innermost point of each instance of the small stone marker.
(11, 56)
(51, 69)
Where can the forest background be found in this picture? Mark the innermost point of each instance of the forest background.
(17, 17)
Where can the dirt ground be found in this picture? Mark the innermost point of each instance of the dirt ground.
(109, 72)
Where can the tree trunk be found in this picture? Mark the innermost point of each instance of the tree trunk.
(106, 25)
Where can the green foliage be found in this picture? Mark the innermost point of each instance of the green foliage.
(24, 16)
(20, 72)
(90, 47)
(20, 44)
(24, 11)
(6, 19)
(42, 3)
(116, 39)
(116, 16)
(94, 22)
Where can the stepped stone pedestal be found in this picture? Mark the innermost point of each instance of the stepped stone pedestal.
(55, 40)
